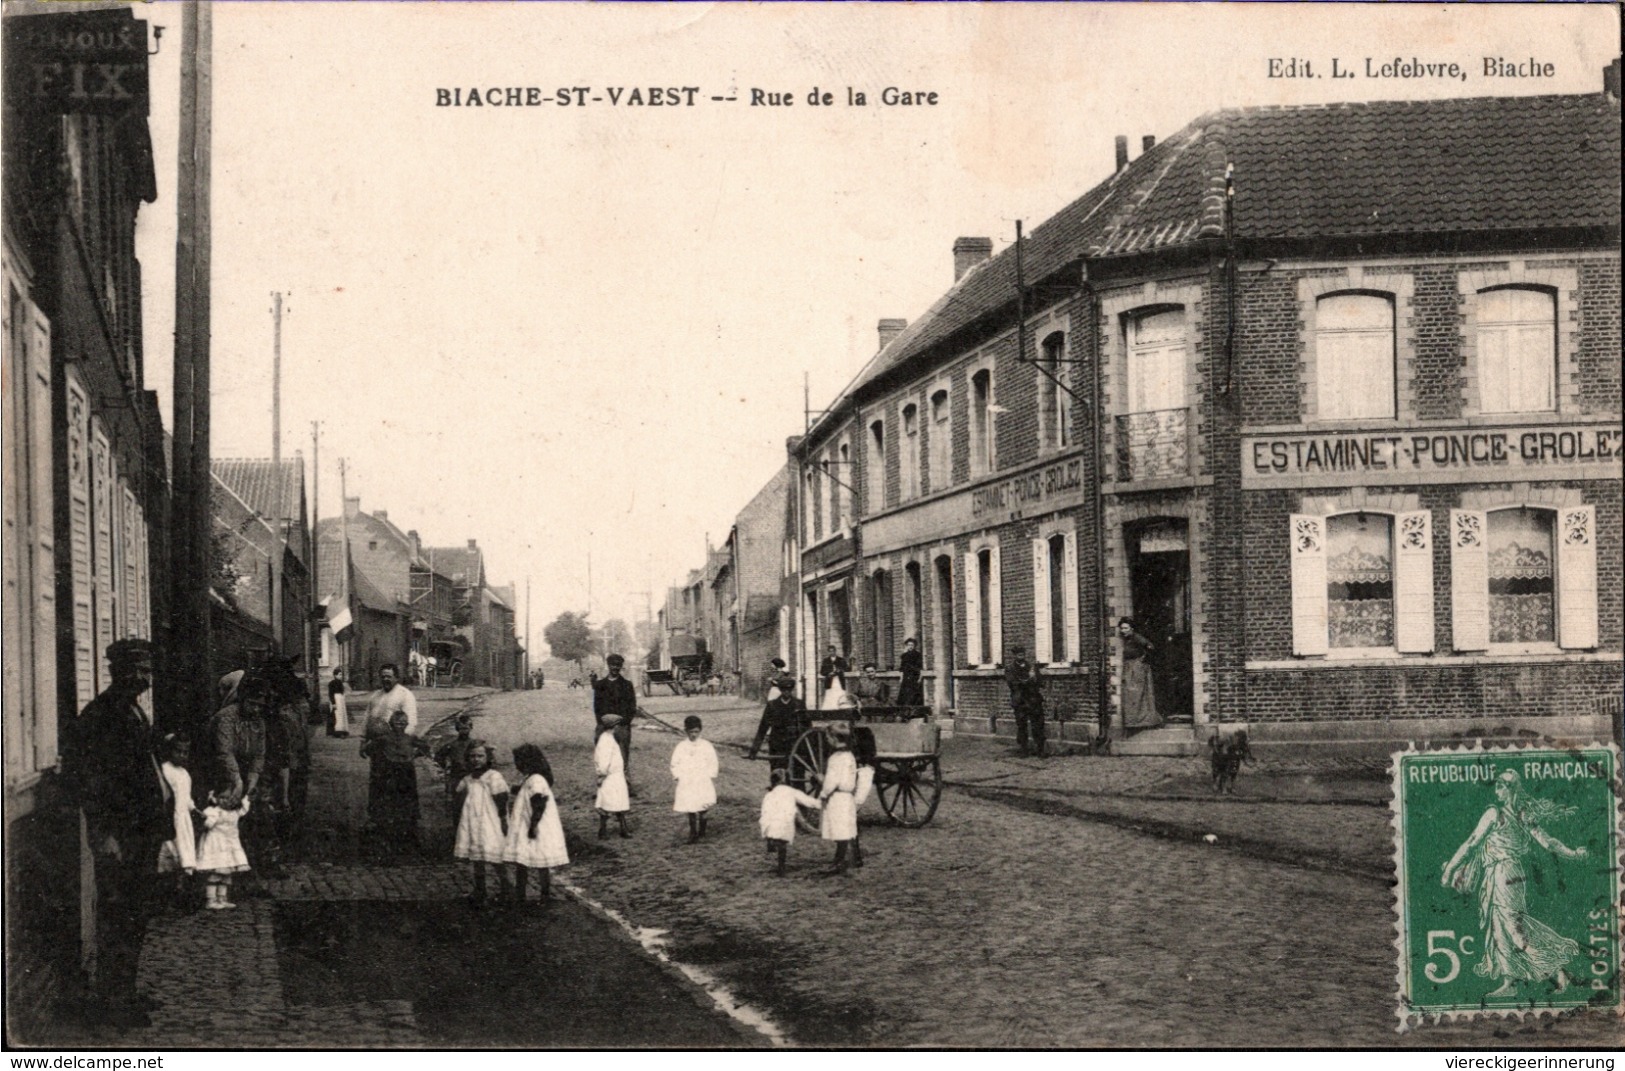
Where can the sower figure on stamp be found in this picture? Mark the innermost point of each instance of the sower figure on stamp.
(614, 695)
(110, 768)
(1026, 700)
(784, 719)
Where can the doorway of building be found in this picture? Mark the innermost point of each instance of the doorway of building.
(840, 620)
(942, 640)
(1160, 593)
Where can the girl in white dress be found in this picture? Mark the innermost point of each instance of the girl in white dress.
(535, 834)
(863, 753)
(840, 820)
(613, 796)
(482, 826)
(694, 768)
(220, 850)
(178, 854)
(778, 821)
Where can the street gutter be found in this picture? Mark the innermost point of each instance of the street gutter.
(1268, 851)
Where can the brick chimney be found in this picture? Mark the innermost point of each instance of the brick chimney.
(1147, 142)
(473, 545)
(1122, 151)
(416, 543)
(381, 514)
(352, 507)
(1610, 81)
(969, 252)
(890, 329)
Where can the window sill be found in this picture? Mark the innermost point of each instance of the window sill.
(1430, 661)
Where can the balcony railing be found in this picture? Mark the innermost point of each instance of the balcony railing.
(1153, 445)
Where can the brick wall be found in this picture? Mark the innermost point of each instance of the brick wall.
(1436, 380)
(1598, 356)
(1482, 692)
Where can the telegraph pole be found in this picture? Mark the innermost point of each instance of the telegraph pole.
(528, 664)
(344, 566)
(314, 654)
(189, 668)
(277, 630)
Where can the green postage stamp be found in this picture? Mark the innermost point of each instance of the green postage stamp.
(1509, 881)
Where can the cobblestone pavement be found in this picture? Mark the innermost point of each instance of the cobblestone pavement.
(220, 979)
(1000, 925)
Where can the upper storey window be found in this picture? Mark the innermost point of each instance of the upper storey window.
(1354, 356)
(1517, 350)
(1156, 361)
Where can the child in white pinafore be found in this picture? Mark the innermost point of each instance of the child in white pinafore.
(614, 798)
(839, 795)
(178, 854)
(220, 850)
(535, 834)
(482, 823)
(778, 821)
(694, 768)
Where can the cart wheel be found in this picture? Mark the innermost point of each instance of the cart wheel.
(909, 789)
(808, 759)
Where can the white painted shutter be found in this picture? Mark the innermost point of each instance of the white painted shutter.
(995, 612)
(131, 554)
(1413, 582)
(1577, 577)
(1043, 649)
(1069, 598)
(143, 596)
(1469, 580)
(79, 550)
(42, 541)
(1308, 555)
(102, 548)
(973, 611)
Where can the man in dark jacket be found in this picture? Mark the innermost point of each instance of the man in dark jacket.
(1027, 701)
(784, 719)
(615, 695)
(109, 765)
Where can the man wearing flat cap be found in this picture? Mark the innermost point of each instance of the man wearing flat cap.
(109, 766)
(615, 695)
(784, 719)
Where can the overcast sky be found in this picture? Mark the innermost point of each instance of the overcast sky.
(557, 329)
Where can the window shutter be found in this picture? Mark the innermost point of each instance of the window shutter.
(1070, 598)
(1577, 577)
(79, 552)
(1308, 584)
(973, 611)
(995, 613)
(102, 496)
(1469, 580)
(1413, 582)
(42, 540)
(1042, 647)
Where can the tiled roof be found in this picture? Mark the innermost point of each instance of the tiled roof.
(460, 564)
(1370, 170)
(503, 595)
(367, 593)
(255, 482)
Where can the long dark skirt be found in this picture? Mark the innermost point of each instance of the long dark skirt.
(392, 802)
(1139, 696)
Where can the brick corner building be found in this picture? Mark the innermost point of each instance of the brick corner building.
(1356, 473)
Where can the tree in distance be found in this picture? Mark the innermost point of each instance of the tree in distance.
(570, 637)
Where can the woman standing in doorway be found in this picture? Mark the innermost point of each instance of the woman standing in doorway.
(1139, 693)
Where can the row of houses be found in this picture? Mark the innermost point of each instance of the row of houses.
(404, 604)
(1326, 400)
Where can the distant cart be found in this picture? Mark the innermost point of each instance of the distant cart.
(908, 759)
(690, 665)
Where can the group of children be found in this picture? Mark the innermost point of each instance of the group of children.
(498, 824)
(848, 780)
(217, 853)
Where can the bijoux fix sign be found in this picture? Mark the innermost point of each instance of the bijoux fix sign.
(1456, 455)
(80, 62)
